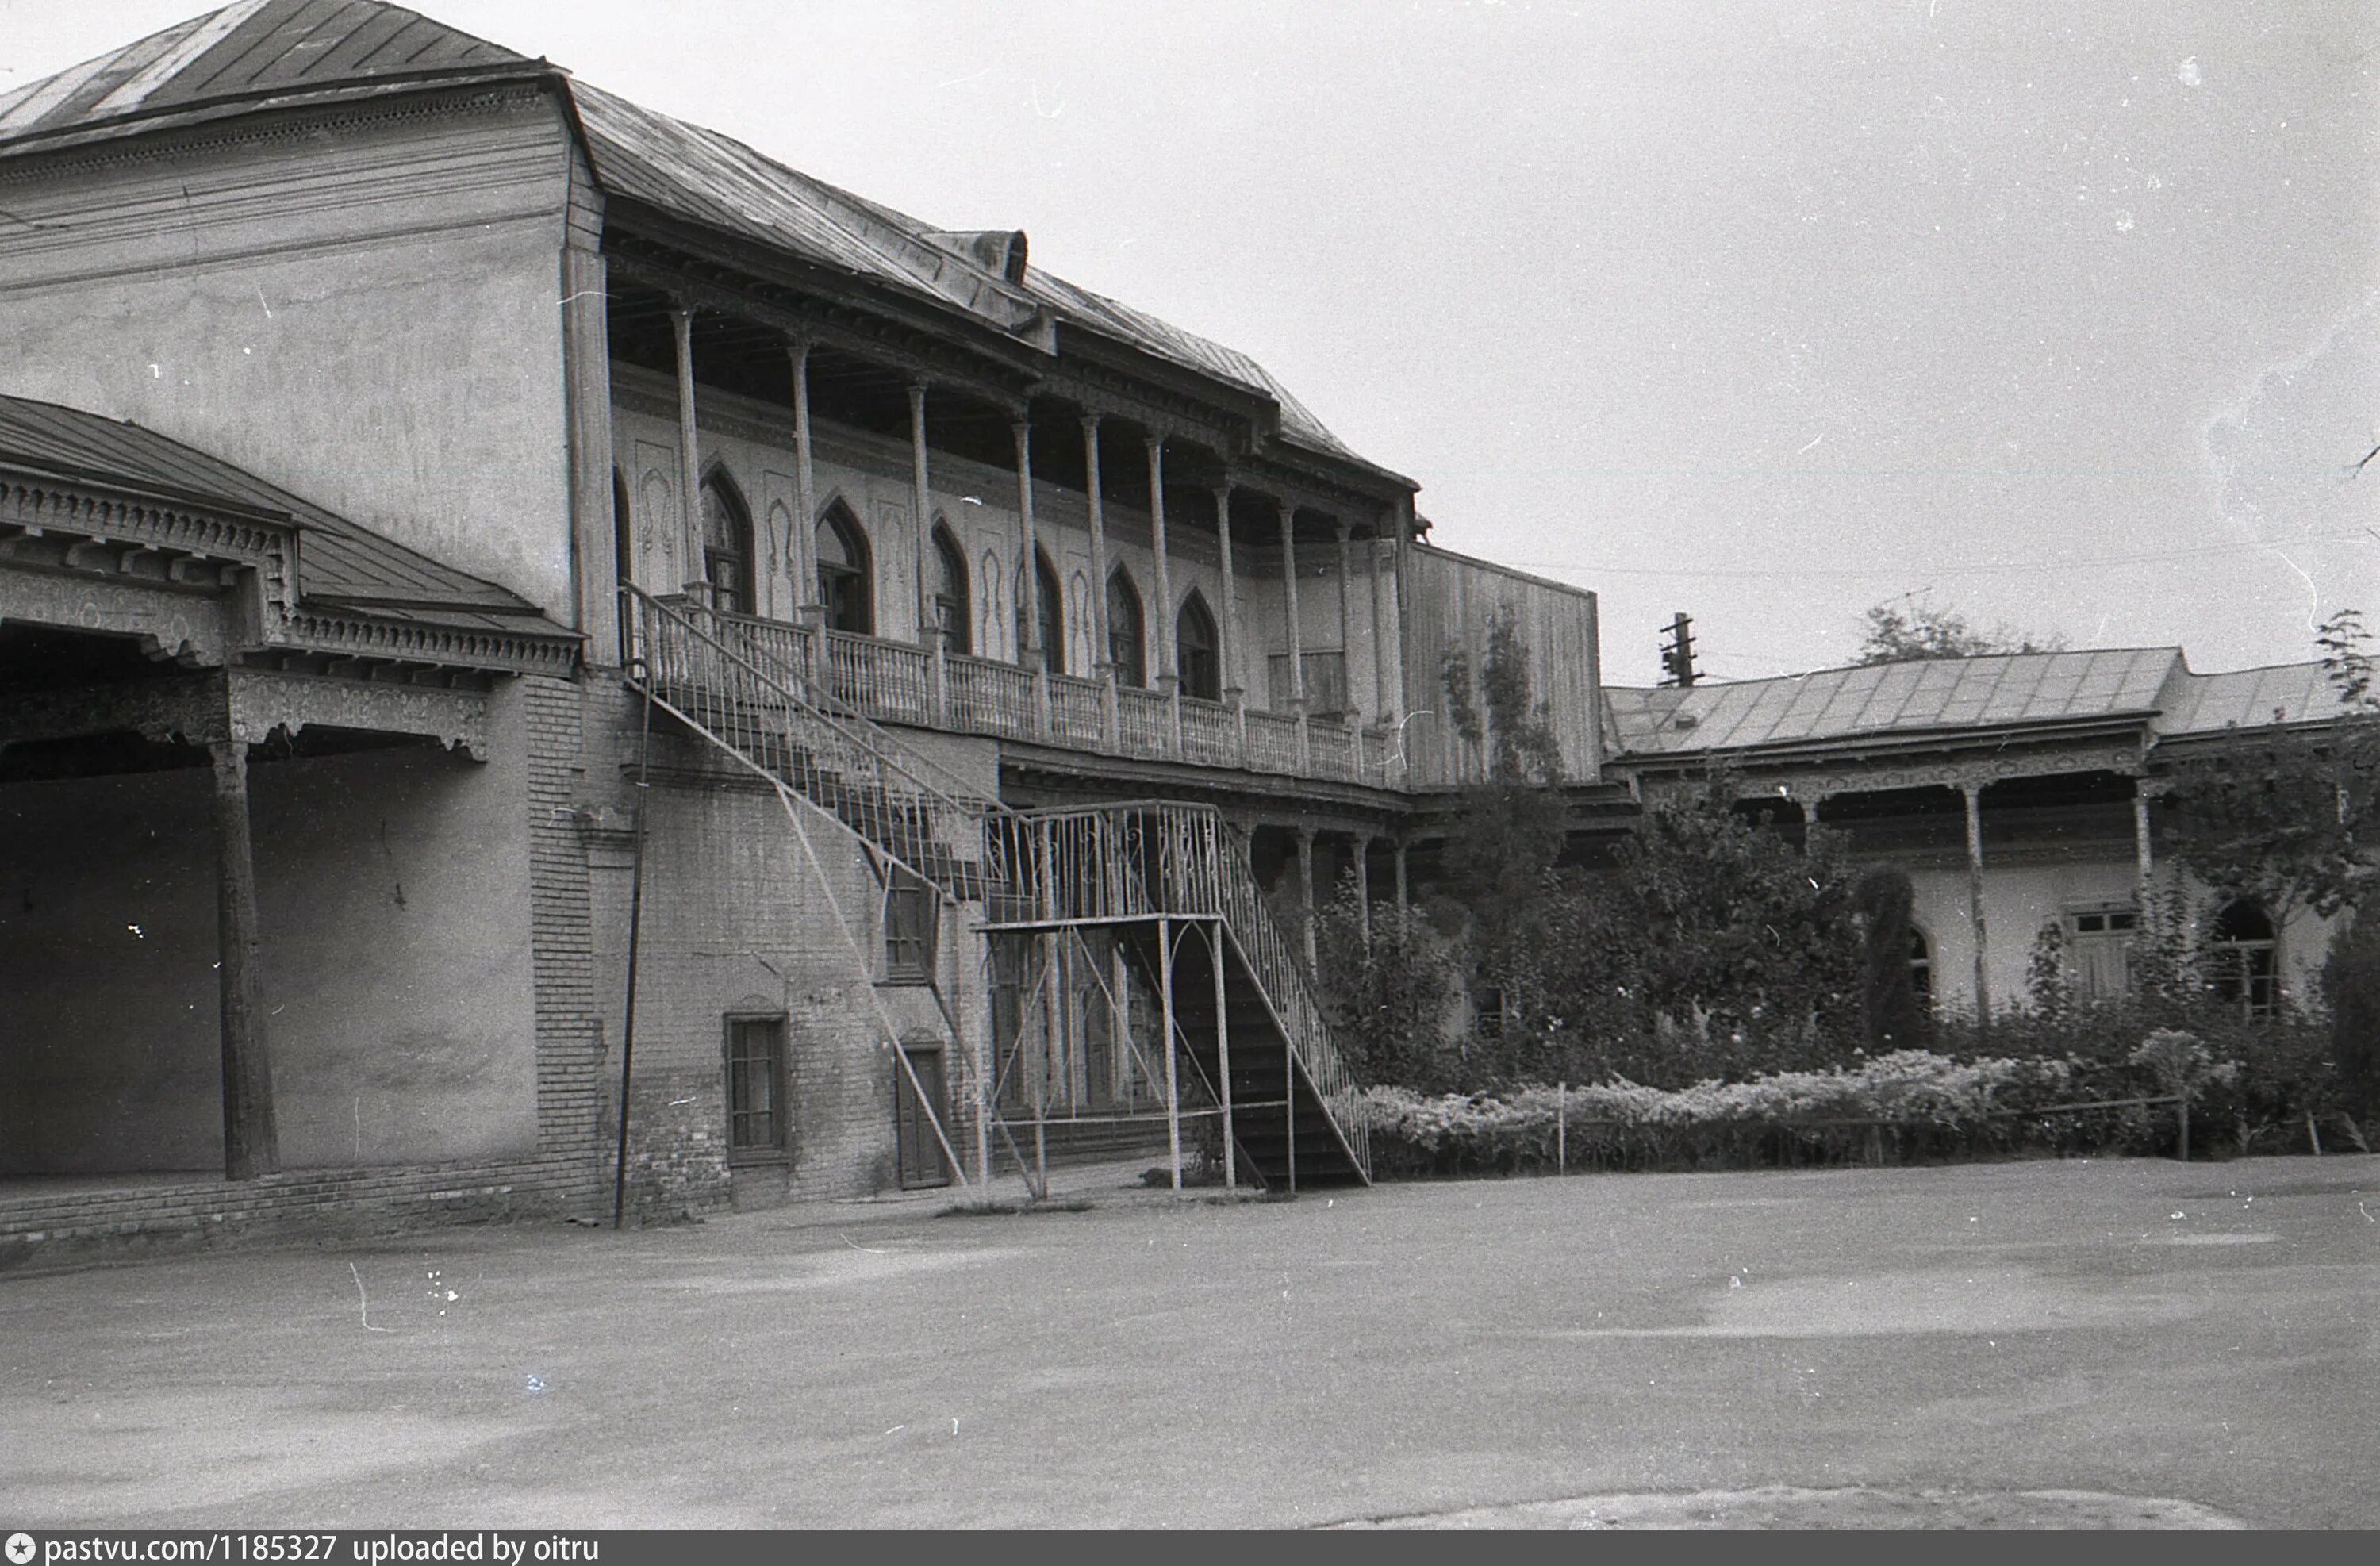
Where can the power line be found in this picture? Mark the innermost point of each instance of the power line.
(1936, 568)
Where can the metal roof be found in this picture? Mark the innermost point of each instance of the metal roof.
(267, 49)
(2250, 699)
(2013, 690)
(254, 48)
(340, 563)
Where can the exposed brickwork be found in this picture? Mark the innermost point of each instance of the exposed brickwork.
(569, 1029)
(215, 1211)
(734, 921)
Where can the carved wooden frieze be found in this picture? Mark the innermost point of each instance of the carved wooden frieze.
(186, 627)
(263, 701)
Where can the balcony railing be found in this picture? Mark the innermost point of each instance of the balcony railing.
(898, 683)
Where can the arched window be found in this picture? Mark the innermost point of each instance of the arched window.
(2247, 965)
(1125, 632)
(726, 545)
(844, 573)
(1197, 647)
(952, 618)
(1920, 968)
(1053, 615)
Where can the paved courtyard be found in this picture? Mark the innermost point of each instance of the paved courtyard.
(2056, 1343)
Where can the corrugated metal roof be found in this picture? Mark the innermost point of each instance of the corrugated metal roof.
(339, 562)
(261, 48)
(254, 48)
(2007, 691)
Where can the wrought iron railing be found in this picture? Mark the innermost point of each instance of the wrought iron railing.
(702, 667)
(883, 680)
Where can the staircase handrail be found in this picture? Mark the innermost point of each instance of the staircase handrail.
(942, 787)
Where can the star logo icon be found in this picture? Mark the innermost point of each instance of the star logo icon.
(20, 1549)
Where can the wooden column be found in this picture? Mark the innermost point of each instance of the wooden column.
(252, 1141)
(690, 465)
(2143, 844)
(1102, 642)
(921, 503)
(1168, 678)
(1306, 889)
(1346, 626)
(1032, 589)
(1233, 689)
(801, 553)
(1401, 876)
(1384, 704)
(1289, 596)
(1974, 793)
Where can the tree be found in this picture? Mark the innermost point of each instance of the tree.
(1903, 636)
(1727, 946)
(2350, 984)
(1508, 834)
(2282, 814)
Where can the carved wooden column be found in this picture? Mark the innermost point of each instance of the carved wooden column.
(801, 549)
(252, 1141)
(690, 465)
(1972, 790)
(1169, 677)
(1346, 628)
(2144, 834)
(1230, 685)
(921, 507)
(1036, 656)
(1102, 638)
(1297, 635)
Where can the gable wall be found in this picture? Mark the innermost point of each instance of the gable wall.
(363, 311)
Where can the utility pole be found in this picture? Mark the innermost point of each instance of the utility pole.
(1677, 654)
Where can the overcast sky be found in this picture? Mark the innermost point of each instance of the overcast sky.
(2061, 316)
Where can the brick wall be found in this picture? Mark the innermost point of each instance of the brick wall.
(737, 920)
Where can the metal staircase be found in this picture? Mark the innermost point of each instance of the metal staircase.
(1152, 869)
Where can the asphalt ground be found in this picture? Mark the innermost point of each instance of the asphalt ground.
(2173, 1344)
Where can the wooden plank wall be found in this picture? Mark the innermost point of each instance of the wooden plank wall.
(1452, 604)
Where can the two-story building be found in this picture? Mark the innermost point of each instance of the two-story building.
(514, 608)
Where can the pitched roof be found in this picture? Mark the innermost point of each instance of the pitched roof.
(260, 50)
(251, 49)
(1831, 705)
(2250, 699)
(341, 565)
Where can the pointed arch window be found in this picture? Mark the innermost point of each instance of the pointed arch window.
(1198, 650)
(2247, 958)
(953, 619)
(1127, 636)
(844, 573)
(1053, 616)
(727, 545)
